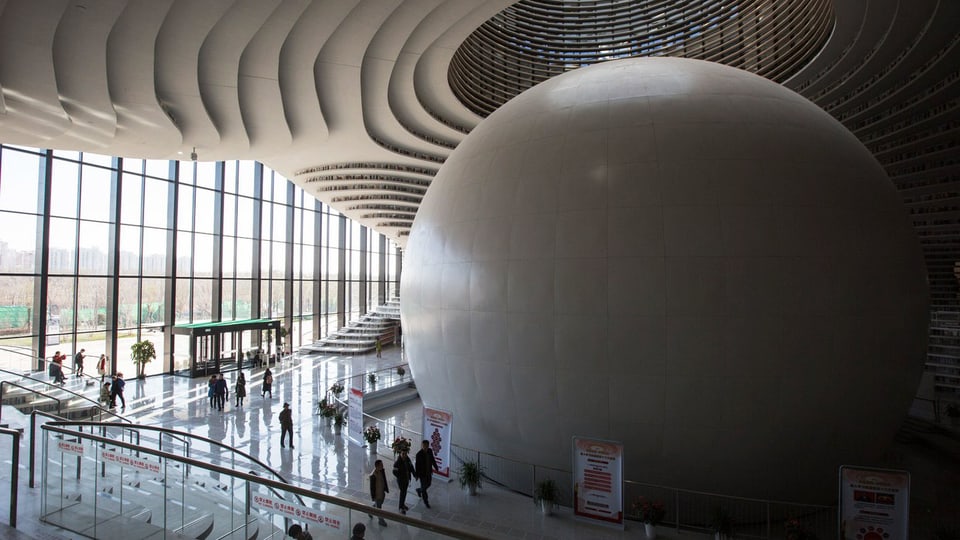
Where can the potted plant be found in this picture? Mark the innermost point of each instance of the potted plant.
(400, 444)
(142, 352)
(721, 524)
(339, 420)
(336, 389)
(545, 496)
(471, 476)
(401, 372)
(372, 434)
(372, 379)
(651, 513)
(326, 409)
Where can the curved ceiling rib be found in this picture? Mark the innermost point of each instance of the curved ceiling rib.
(358, 92)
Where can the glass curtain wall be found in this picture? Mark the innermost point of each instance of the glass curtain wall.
(98, 252)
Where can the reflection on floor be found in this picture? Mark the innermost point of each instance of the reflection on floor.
(328, 463)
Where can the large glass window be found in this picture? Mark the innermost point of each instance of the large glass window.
(83, 294)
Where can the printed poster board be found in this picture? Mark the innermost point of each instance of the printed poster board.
(874, 504)
(437, 427)
(355, 416)
(598, 481)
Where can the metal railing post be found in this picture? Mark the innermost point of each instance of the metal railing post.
(14, 473)
(33, 443)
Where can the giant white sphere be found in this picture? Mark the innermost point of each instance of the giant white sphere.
(674, 254)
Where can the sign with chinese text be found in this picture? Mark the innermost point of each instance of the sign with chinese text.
(437, 426)
(130, 461)
(295, 511)
(874, 504)
(70, 447)
(598, 481)
(355, 416)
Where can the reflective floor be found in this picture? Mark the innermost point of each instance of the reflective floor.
(328, 463)
(321, 460)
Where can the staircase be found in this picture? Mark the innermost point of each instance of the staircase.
(361, 336)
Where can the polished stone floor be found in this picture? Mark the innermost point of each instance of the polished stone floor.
(328, 463)
(321, 460)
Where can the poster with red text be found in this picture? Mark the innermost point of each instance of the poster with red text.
(874, 504)
(598, 481)
(355, 416)
(437, 426)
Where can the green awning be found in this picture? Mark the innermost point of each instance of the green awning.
(222, 327)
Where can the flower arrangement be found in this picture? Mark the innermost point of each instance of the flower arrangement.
(339, 419)
(327, 409)
(372, 378)
(400, 444)
(651, 512)
(371, 434)
(400, 371)
(337, 388)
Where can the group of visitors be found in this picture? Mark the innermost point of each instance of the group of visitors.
(218, 391)
(403, 470)
(113, 389)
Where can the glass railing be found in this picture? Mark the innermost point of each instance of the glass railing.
(99, 485)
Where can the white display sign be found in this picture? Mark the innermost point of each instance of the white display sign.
(130, 461)
(874, 504)
(69, 447)
(598, 481)
(295, 511)
(355, 416)
(437, 429)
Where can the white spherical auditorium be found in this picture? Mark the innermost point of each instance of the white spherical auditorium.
(674, 254)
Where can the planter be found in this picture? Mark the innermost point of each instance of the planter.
(373, 447)
(650, 530)
(472, 489)
(337, 428)
(546, 508)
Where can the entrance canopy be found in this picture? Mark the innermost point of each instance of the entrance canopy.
(211, 353)
(211, 328)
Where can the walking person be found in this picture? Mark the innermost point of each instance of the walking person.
(378, 487)
(78, 363)
(423, 470)
(220, 392)
(359, 530)
(56, 368)
(240, 391)
(379, 348)
(102, 367)
(116, 391)
(286, 424)
(267, 385)
(211, 393)
(403, 470)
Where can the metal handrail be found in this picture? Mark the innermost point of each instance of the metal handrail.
(275, 486)
(172, 433)
(14, 472)
(58, 388)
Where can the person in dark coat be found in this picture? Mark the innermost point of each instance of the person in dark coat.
(296, 531)
(116, 391)
(220, 392)
(424, 468)
(403, 470)
(286, 424)
(241, 390)
(359, 530)
(379, 487)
